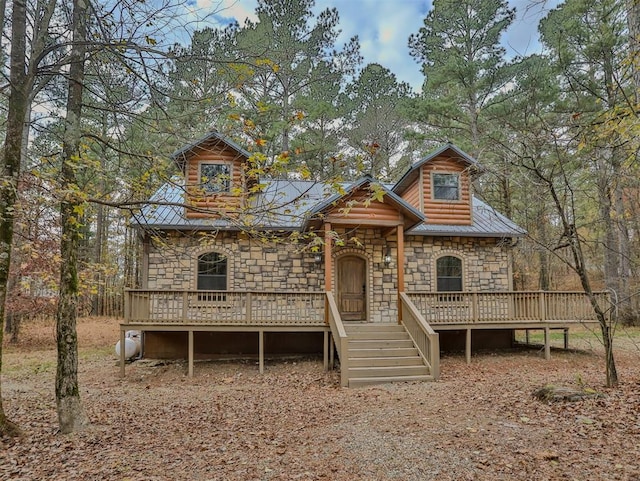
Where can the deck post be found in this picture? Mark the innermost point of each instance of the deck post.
(543, 307)
(547, 343)
(475, 315)
(190, 353)
(185, 305)
(261, 350)
(122, 346)
(527, 339)
(332, 353)
(467, 348)
(325, 351)
(400, 262)
(566, 338)
(249, 308)
(127, 305)
(327, 257)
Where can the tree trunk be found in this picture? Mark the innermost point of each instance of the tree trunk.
(12, 153)
(71, 415)
(633, 22)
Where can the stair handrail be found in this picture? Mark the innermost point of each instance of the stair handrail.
(424, 337)
(340, 338)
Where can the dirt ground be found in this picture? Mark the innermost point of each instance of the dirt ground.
(479, 422)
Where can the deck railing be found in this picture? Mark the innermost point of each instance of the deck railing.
(340, 337)
(148, 306)
(424, 337)
(505, 307)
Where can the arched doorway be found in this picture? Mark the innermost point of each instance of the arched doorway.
(352, 288)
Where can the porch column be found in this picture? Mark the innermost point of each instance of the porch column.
(467, 347)
(327, 257)
(400, 263)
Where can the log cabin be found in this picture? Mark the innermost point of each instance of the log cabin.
(378, 277)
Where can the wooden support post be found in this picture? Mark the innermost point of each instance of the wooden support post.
(332, 353)
(325, 351)
(543, 306)
(467, 349)
(566, 338)
(122, 346)
(475, 312)
(185, 306)
(249, 308)
(547, 343)
(327, 257)
(400, 262)
(261, 350)
(527, 339)
(190, 354)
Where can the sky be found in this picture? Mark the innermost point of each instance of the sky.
(384, 26)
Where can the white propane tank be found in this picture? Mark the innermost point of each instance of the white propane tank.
(131, 345)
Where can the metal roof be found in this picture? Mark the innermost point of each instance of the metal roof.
(287, 205)
(486, 222)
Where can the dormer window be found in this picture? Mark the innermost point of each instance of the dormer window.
(215, 178)
(446, 186)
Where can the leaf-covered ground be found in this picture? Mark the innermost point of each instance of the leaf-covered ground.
(479, 422)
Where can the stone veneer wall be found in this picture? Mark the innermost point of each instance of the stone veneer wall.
(254, 265)
(486, 262)
(251, 264)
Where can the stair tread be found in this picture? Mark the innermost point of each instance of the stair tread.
(391, 368)
(354, 381)
(395, 358)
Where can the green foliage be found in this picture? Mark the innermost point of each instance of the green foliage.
(464, 65)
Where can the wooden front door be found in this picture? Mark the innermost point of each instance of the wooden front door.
(352, 288)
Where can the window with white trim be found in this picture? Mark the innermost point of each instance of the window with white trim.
(446, 186)
(215, 178)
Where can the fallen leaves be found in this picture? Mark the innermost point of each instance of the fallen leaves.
(230, 423)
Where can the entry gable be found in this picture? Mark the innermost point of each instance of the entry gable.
(366, 202)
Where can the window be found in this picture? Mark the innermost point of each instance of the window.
(446, 186)
(212, 272)
(215, 178)
(449, 273)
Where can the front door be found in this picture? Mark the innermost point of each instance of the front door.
(352, 288)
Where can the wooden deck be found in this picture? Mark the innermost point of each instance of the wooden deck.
(422, 314)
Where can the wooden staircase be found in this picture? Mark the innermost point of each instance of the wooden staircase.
(382, 353)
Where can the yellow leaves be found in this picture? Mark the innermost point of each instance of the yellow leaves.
(150, 40)
(261, 142)
(304, 172)
(377, 192)
(265, 62)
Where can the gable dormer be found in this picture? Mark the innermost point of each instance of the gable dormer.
(440, 186)
(214, 171)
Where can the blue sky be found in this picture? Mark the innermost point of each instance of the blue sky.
(384, 26)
